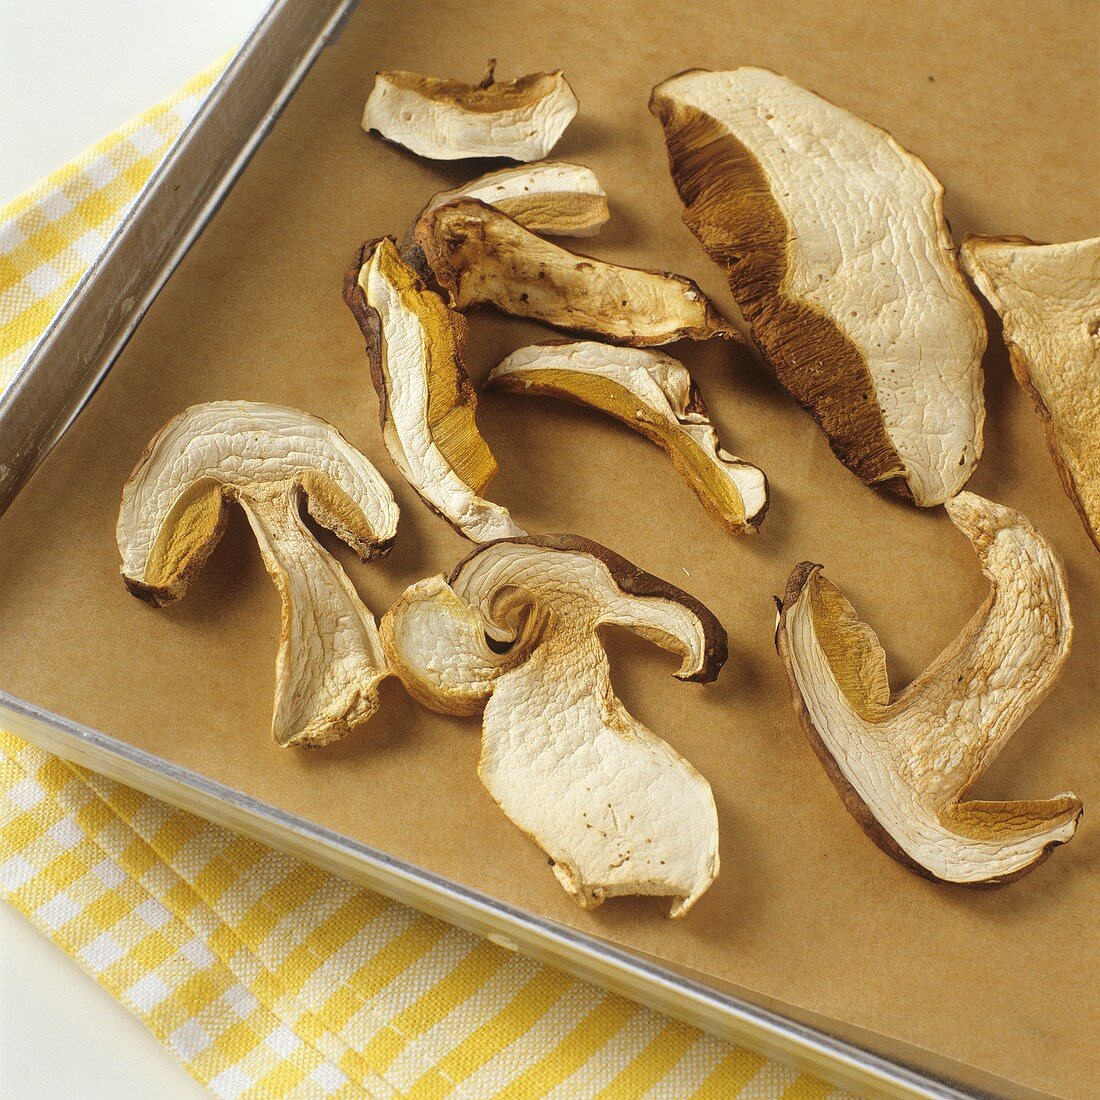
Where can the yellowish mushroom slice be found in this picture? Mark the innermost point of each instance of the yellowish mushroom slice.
(835, 246)
(270, 459)
(652, 393)
(482, 257)
(904, 765)
(515, 632)
(415, 347)
(448, 120)
(553, 198)
(1048, 296)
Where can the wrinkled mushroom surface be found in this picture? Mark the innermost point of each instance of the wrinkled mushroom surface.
(554, 198)
(836, 249)
(482, 257)
(905, 765)
(1048, 296)
(447, 120)
(652, 393)
(515, 631)
(415, 347)
(269, 459)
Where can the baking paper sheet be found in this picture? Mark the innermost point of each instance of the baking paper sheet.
(1000, 99)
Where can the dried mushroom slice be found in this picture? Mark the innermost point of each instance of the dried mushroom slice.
(1048, 296)
(836, 249)
(553, 198)
(905, 765)
(652, 393)
(415, 346)
(448, 120)
(269, 459)
(516, 631)
(481, 256)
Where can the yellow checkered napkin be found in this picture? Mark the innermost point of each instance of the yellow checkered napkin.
(263, 975)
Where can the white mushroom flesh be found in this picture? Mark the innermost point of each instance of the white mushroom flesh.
(479, 255)
(1048, 296)
(905, 766)
(837, 251)
(652, 393)
(448, 120)
(415, 347)
(268, 459)
(617, 809)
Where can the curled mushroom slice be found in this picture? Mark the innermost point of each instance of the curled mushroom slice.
(836, 249)
(415, 345)
(516, 631)
(1048, 296)
(652, 393)
(553, 198)
(905, 765)
(481, 256)
(448, 120)
(269, 459)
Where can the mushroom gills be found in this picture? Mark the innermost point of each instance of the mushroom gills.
(653, 394)
(268, 458)
(834, 243)
(616, 808)
(905, 765)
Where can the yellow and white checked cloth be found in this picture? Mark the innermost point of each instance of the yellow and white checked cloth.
(263, 975)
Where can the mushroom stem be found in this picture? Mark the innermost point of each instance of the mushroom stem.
(1028, 590)
(330, 658)
(616, 844)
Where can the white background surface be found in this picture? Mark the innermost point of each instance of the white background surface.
(70, 72)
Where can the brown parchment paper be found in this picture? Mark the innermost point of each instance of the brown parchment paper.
(1001, 100)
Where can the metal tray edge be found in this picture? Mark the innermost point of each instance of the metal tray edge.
(80, 345)
(583, 956)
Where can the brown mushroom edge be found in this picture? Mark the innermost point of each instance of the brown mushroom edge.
(635, 582)
(796, 585)
(371, 327)
(488, 96)
(209, 524)
(742, 228)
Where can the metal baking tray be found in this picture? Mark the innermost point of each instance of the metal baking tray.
(48, 394)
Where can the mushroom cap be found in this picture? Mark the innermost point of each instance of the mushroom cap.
(1048, 297)
(569, 570)
(447, 120)
(479, 255)
(904, 765)
(653, 394)
(836, 249)
(516, 631)
(172, 512)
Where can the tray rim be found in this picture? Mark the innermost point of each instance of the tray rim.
(585, 956)
(726, 1015)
